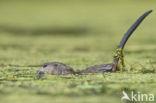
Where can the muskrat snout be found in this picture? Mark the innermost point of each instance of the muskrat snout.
(39, 73)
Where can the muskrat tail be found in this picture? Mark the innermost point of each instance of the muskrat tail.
(120, 48)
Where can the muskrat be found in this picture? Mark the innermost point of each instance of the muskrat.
(57, 68)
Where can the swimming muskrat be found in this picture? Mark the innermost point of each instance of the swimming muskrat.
(57, 68)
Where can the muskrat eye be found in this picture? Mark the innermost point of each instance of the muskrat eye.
(45, 65)
(55, 65)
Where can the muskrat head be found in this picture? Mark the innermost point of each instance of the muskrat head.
(55, 68)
